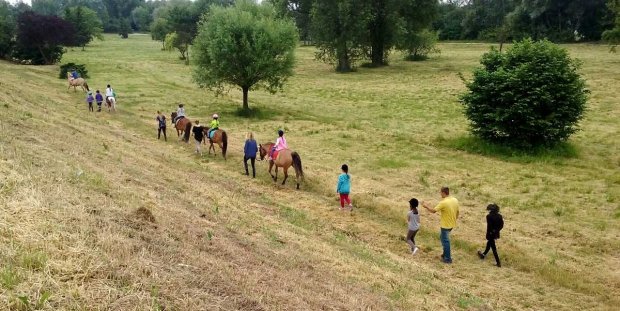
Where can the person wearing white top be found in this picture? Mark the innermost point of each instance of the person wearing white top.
(413, 224)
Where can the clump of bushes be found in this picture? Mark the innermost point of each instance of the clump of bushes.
(530, 96)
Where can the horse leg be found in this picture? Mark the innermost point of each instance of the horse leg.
(270, 167)
(275, 178)
(285, 169)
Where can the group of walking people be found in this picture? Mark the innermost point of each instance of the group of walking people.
(110, 97)
(448, 209)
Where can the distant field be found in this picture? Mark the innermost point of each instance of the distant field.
(98, 215)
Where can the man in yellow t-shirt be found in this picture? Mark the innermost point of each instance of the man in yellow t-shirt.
(448, 209)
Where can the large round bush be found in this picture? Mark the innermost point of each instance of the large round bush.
(531, 95)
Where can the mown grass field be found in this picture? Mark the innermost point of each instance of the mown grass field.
(97, 214)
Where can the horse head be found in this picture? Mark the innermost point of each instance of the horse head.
(173, 115)
(261, 150)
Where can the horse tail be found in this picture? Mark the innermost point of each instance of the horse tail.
(188, 128)
(86, 85)
(297, 164)
(224, 143)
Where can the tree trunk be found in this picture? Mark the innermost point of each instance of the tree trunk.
(47, 62)
(377, 52)
(377, 33)
(245, 89)
(344, 62)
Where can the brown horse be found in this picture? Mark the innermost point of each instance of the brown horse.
(183, 126)
(219, 137)
(77, 82)
(285, 159)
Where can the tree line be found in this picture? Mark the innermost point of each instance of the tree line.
(501, 20)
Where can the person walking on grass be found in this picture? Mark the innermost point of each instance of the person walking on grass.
(495, 223)
(89, 100)
(99, 100)
(249, 153)
(198, 135)
(448, 209)
(161, 125)
(344, 187)
(413, 224)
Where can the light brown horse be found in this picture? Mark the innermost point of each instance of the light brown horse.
(183, 126)
(219, 137)
(77, 82)
(285, 159)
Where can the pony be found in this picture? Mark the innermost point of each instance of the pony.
(110, 103)
(77, 82)
(183, 126)
(285, 159)
(219, 137)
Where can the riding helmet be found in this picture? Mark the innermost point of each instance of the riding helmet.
(215, 116)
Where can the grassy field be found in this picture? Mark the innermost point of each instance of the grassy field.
(97, 214)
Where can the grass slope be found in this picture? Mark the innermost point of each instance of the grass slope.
(96, 214)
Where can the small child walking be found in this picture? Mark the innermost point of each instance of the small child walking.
(413, 224)
(495, 223)
(99, 99)
(90, 99)
(344, 187)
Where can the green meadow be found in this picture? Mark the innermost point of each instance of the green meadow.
(97, 214)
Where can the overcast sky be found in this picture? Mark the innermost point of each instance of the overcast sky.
(28, 1)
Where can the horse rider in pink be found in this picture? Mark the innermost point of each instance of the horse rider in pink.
(280, 144)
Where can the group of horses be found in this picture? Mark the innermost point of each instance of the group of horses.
(81, 82)
(285, 158)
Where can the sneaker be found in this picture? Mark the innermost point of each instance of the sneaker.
(350, 207)
(415, 250)
(499, 265)
(481, 255)
(446, 261)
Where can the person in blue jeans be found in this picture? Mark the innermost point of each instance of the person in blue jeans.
(249, 153)
(448, 209)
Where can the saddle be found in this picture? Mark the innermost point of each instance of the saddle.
(211, 133)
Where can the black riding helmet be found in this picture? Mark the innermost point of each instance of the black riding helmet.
(280, 133)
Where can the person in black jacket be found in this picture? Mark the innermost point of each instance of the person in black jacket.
(495, 223)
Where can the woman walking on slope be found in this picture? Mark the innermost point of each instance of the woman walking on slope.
(495, 223)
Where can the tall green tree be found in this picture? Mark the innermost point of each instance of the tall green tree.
(7, 29)
(87, 24)
(141, 18)
(612, 36)
(338, 29)
(246, 46)
(300, 11)
(159, 29)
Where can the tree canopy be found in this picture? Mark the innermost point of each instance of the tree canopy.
(40, 37)
(246, 46)
(87, 25)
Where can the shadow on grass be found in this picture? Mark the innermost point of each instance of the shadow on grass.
(476, 145)
(257, 113)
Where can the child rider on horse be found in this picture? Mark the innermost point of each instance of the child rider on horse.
(214, 126)
(180, 114)
(280, 144)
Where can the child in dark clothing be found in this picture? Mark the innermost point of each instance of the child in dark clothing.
(99, 99)
(495, 223)
(249, 153)
(89, 100)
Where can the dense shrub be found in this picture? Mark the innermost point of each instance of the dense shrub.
(532, 95)
(419, 45)
(81, 69)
